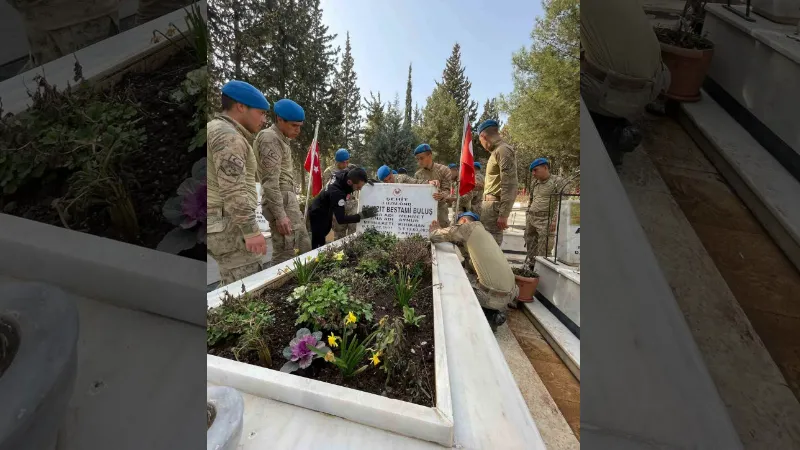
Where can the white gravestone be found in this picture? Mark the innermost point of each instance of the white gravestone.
(263, 225)
(403, 209)
(569, 237)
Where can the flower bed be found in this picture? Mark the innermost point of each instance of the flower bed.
(125, 163)
(361, 318)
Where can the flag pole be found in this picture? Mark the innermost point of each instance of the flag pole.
(460, 168)
(311, 171)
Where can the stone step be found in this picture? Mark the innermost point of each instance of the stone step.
(764, 185)
(565, 344)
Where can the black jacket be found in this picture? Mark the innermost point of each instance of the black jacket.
(330, 203)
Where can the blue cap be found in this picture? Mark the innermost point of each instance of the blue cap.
(469, 214)
(246, 94)
(477, 165)
(538, 162)
(453, 166)
(395, 172)
(486, 124)
(341, 155)
(421, 148)
(384, 172)
(289, 111)
(402, 170)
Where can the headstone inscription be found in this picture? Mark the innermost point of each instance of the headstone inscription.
(403, 209)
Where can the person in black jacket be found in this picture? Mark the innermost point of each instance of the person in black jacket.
(331, 203)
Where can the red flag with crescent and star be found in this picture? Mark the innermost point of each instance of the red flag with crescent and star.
(466, 178)
(314, 167)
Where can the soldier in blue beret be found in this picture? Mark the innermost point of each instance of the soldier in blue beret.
(279, 191)
(394, 172)
(477, 191)
(433, 171)
(494, 282)
(541, 206)
(234, 239)
(500, 184)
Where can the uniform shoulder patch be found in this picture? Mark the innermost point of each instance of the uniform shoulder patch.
(341, 202)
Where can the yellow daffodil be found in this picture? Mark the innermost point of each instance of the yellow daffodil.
(308, 258)
(338, 256)
(297, 251)
(382, 322)
(332, 340)
(351, 318)
(316, 259)
(329, 357)
(375, 358)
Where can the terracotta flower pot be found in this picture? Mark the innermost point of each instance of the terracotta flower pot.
(527, 287)
(688, 69)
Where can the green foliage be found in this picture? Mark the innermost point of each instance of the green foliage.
(410, 316)
(394, 141)
(349, 97)
(390, 343)
(304, 269)
(405, 284)
(194, 93)
(245, 319)
(441, 125)
(413, 252)
(544, 107)
(370, 267)
(407, 118)
(351, 351)
(456, 83)
(324, 306)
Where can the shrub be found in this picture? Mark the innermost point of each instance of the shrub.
(413, 252)
(325, 306)
(246, 319)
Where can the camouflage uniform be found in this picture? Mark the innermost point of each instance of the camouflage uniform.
(350, 207)
(402, 178)
(442, 174)
(464, 201)
(621, 67)
(279, 196)
(231, 199)
(500, 187)
(477, 193)
(153, 9)
(540, 209)
(496, 286)
(56, 28)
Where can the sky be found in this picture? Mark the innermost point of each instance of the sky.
(387, 35)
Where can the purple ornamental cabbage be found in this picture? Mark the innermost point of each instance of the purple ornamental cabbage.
(187, 211)
(298, 354)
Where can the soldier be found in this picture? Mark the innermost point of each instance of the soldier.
(234, 239)
(279, 196)
(331, 203)
(495, 286)
(342, 159)
(430, 171)
(500, 184)
(465, 201)
(56, 28)
(543, 186)
(387, 175)
(477, 192)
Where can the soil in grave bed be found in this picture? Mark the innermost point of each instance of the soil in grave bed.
(412, 379)
(153, 172)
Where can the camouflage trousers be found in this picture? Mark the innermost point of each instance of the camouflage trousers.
(49, 45)
(230, 276)
(442, 214)
(340, 231)
(284, 247)
(491, 299)
(618, 95)
(536, 233)
(477, 201)
(227, 247)
(153, 9)
(490, 212)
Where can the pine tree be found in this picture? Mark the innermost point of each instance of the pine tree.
(350, 99)
(376, 115)
(394, 142)
(441, 126)
(407, 120)
(456, 83)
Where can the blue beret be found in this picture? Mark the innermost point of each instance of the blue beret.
(453, 166)
(246, 94)
(421, 148)
(384, 172)
(477, 165)
(402, 170)
(486, 124)
(538, 162)
(289, 111)
(395, 172)
(341, 155)
(469, 214)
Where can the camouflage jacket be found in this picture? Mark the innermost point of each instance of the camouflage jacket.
(231, 177)
(275, 168)
(436, 172)
(402, 178)
(501, 176)
(541, 199)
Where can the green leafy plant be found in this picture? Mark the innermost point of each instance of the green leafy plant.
(193, 93)
(324, 306)
(245, 319)
(352, 351)
(369, 267)
(196, 38)
(405, 284)
(304, 269)
(410, 316)
(389, 342)
(187, 211)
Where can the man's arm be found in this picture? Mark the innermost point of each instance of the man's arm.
(270, 155)
(229, 164)
(448, 234)
(338, 201)
(444, 180)
(508, 180)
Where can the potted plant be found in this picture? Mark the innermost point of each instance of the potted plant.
(686, 53)
(527, 281)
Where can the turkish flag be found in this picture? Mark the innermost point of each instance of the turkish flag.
(466, 177)
(313, 167)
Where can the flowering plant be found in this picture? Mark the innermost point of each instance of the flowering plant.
(352, 352)
(299, 352)
(187, 211)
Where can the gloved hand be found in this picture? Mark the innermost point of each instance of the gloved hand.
(369, 212)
